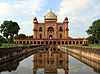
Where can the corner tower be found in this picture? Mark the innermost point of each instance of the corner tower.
(66, 27)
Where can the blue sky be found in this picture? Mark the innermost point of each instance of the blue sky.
(81, 13)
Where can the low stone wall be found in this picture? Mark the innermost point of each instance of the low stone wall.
(91, 53)
(6, 49)
(92, 64)
(9, 53)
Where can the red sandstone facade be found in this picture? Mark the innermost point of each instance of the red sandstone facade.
(51, 32)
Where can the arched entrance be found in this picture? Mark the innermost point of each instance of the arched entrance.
(31, 42)
(38, 42)
(34, 42)
(23, 42)
(42, 42)
(54, 42)
(58, 42)
(50, 29)
(50, 37)
(77, 42)
(66, 42)
(50, 33)
(62, 42)
(50, 42)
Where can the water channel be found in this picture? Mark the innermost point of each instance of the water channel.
(49, 61)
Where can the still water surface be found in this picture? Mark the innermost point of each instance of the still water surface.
(47, 63)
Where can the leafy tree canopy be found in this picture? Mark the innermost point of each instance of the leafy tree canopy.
(23, 36)
(92, 40)
(94, 30)
(2, 39)
(9, 29)
(31, 36)
(70, 37)
(20, 36)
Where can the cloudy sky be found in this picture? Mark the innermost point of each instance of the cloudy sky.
(81, 13)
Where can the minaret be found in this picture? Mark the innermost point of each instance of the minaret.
(35, 22)
(66, 27)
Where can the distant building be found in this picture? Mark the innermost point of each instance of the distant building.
(51, 32)
(50, 29)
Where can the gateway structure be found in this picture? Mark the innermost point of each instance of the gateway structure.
(51, 32)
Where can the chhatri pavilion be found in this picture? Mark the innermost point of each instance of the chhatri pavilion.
(50, 32)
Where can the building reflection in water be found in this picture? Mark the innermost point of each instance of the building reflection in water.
(50, 59)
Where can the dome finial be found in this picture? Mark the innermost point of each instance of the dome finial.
(50, 15)
(66, 18)
(35, 19)
(50, 10)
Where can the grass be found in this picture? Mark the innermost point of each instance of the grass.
(94, 45)
(12, 45)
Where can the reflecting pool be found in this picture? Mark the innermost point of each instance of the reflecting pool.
(50, 61)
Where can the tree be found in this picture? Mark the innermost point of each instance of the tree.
(2, 39)
(31, 36)
(9, 29)
(20, 36)
(70, 37)
(94, 30)
(92, 40)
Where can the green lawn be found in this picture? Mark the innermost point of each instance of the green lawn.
(9, 45)
(94, 45)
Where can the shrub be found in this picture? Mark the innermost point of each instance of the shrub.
(30, 44)
(85, 45)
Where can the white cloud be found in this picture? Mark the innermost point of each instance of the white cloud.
(81, 13)
(72, 7)
(5, 9)
(26, 32)
(77, 34)
(26, 23)
(79, 8)
(26, 28)
(30, 6)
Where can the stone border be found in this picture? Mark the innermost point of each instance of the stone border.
(86, 47)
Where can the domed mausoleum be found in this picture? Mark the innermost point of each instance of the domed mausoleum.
(51, 32)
